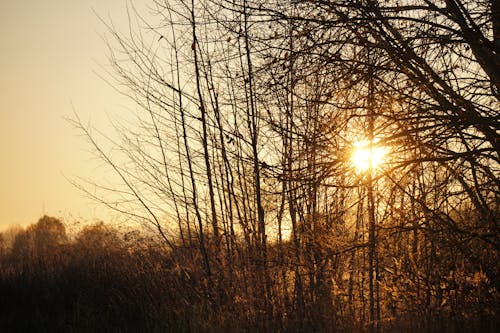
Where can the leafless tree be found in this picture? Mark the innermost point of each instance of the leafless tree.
(247, 119)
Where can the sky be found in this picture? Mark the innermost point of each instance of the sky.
(51, 56)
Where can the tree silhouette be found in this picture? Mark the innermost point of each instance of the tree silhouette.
(248, 115)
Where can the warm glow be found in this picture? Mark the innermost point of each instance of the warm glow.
(364, 156)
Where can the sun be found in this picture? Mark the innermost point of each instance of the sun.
(366, 156)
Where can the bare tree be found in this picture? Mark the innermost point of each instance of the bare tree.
(248, 115)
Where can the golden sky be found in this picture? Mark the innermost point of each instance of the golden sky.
(50, 53)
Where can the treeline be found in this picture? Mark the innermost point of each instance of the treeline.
(104, 280)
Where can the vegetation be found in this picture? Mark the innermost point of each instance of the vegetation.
(239, 161)
(103, 280)
(100, 281)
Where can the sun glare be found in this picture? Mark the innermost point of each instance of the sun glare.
(365, 157)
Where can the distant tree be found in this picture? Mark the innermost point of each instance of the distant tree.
(3, 245)
(22, 247)
(39, 243)
(98, 237)
(10, 234)
(48, 232)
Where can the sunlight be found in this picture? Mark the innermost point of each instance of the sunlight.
(364, 156)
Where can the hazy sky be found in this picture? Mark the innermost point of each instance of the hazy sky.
(50, 51)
